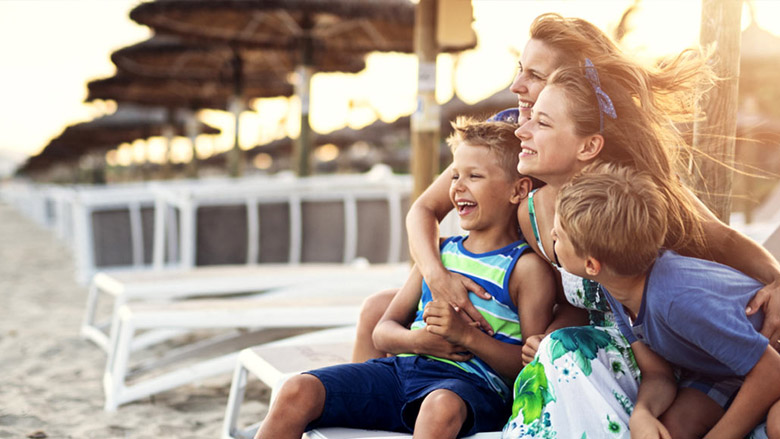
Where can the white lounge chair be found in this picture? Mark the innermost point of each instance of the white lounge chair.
(129, 287)
(331, 299)
(305, 226)
(273, 363)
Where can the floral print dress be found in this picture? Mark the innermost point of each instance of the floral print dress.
(583, 381)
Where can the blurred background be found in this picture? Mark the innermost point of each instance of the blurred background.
(74, 111)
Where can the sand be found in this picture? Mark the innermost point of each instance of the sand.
(50, 378)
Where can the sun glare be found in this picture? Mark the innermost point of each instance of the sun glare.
(384, 91)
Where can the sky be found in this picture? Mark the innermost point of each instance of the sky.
(52, 48)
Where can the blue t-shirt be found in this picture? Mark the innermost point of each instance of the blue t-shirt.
(693, 314)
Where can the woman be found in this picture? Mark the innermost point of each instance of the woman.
(593, 356)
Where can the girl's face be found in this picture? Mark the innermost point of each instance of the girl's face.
(550, 142)
(536, 64)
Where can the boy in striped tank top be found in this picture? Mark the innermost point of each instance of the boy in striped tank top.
(461, 384)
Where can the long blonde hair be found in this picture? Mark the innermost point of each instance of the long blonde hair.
(669, 87)
(641, 135)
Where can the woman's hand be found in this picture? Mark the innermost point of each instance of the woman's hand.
(768, 300)
(530, 346)
(453, 288)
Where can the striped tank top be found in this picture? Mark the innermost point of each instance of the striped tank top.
(492, 271)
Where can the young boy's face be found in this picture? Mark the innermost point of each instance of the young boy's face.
(564, 251)
(480, 189)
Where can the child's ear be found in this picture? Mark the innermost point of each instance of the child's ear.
(592, 266)
(521, 188)
(591, 148)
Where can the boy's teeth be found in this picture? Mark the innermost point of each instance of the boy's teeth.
(525, 104)
(528, 151)
(466, 203)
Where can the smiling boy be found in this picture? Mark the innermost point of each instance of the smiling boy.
(464, 386)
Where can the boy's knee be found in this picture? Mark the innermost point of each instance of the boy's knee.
(690, 420)
(301, 391)
(444, 407)
(773, 422)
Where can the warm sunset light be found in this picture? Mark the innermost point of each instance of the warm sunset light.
(384, 91)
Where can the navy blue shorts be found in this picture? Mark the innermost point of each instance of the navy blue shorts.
(386, 394)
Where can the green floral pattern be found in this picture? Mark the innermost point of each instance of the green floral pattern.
(589, 371)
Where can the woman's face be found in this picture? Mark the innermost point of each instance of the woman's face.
(536, 64)
(550, 142)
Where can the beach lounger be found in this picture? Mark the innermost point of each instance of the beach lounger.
(273, 363)
(329, 301)
(282, 230)
(129, 287)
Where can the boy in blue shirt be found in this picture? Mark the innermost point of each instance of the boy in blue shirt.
(460, 382)
(610, 224)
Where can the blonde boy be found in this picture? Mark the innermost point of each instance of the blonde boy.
(463, 386)
(610, 224)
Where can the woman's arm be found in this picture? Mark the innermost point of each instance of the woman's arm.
(392, 333)
(422, 226)
(656, 393)
(533, 288)
(565, 315)
(736, 250)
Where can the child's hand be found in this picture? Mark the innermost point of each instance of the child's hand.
(444, 321)
(643, 425)
(427, 343)
(530, 346)
(453, 288)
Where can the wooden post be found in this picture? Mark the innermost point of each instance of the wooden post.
(302, 146)
(235, 158)
(715, 135)
(425, 120)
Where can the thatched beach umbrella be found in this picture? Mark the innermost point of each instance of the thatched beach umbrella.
(183, 96)
(303, 27)
(388, 136)
(170, 57)
(127, 124)
(179, 93)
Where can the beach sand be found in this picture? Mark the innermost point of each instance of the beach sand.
(50, 378)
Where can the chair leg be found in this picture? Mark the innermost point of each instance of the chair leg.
(122, 329)
(88, 324)
(235, 399)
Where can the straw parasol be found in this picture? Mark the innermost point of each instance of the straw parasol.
(183, 96)
(387, 136)
(302, 27)
(179, 93)
(167, 56)
(127, 124)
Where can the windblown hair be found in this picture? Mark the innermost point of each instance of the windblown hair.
(669, 88)
(498, 137)
(641, 136)
(614, 214)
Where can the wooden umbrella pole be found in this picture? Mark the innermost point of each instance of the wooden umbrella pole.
(235, 157)
(715, 135)
(303, 90)
(191, 126)
(425, 120)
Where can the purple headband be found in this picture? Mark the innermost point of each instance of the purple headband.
(605, 103)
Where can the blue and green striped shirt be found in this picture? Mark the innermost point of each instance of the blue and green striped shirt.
(492, 271)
